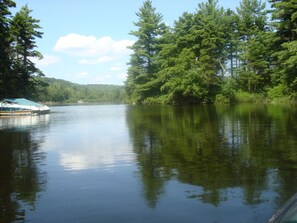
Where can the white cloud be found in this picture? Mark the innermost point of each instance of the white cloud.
(115, 68)
(121, 47)
(76, 45)
(91, 46)
(91, 53)
(98, 60)
(46, 60)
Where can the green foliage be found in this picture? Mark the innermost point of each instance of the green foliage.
(60, 91)
(222, 99)
(154, 101)
(5, 48)
(228, 92)
(18, 43)
(246, 97)
(183, 80)
(252, 18)
(254, 52)
(276, 92)
(192, 60)
(141, 83)
(193, 57)
(284, 15)
(289, 66)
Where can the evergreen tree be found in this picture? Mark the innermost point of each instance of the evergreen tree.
(5, 40)
(284, 15)
(254, 66)
(194, 60)
(232, 42)
(211, 54)
(143, 63)
(24, 30)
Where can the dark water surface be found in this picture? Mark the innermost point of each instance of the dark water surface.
(119, 163)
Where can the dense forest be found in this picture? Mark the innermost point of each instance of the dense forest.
(210, 55)
(61, 91)
(215, 54)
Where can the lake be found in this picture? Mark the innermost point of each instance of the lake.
(121, 163)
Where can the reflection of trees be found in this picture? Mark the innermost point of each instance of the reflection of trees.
(215, 148)
(20, 178)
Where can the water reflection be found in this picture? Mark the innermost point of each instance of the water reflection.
(20, 157)
(94, 157)
(20, 123)
(250, 149)
(214, 164)
(90, 137)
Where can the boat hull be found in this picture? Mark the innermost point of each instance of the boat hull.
(23, 113)
(287, 213)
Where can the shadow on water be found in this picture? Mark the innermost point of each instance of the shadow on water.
(20, 158)
(252, 148)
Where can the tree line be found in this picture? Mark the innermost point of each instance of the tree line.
(61, 91)
(215, 54)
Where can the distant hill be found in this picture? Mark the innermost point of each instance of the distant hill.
(61, 91)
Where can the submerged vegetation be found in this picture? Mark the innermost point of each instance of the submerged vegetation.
(215, 54)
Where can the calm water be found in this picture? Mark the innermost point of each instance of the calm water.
(118, 163)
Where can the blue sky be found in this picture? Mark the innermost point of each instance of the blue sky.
(85, 42)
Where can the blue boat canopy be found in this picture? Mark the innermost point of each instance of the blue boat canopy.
(9, 106)
(21, 101)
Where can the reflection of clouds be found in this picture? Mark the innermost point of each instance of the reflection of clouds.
(77, 161)
(95, 158)
(91, 140)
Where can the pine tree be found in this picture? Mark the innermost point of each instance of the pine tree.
(194, 59)
(5, 48)
(24, 30)
(252, 30)
(284, 15)
(143, 63)
(211, 54)
(232, 42)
